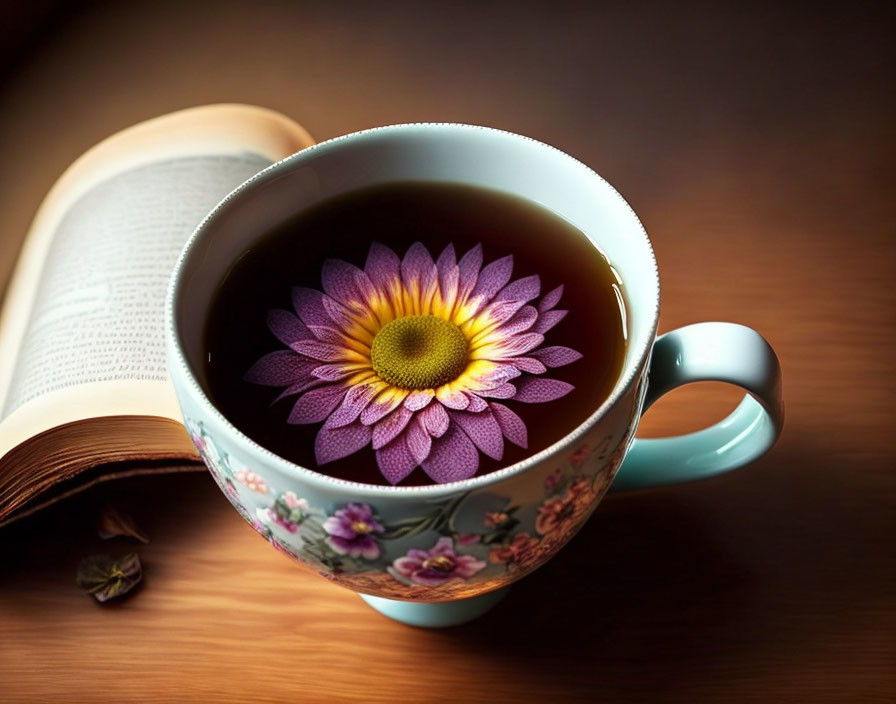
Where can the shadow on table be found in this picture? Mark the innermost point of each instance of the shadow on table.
(643, 583)
(740, 578)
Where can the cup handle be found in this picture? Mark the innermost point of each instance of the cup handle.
(708, 352)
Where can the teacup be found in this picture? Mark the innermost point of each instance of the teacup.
(443, 554)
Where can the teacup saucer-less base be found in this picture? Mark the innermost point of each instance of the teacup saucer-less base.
(436, 615)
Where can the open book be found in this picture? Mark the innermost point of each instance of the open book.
(84, 390)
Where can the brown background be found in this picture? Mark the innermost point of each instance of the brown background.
(757, 146)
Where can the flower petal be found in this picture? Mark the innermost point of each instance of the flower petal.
(516, 346)
(382, 266)
(395, 463)
(443, 546)
(550, 299)
(287, 327)
(435, 419)
(365, 286)
(477, 404)
(447, 269)
(468, 270)
(418, 440)
(419, 399)
(548, 320)
(493, 277)
(449, 280)
(309, 304)
(339, 314)
(357, 327)
(315, 405)
(340, 545)
(519, 345)
(385, 403)
(406, 566)
(447, 259)
(389, 427)
(324, 351)
(483, 430)
(332, 372)
(495, 314)
(524, 289)
(280, 368)
(335, 443)
(521, 321)
(417, 265)
(326, 333)
(533, 389)
(339, 282)
(453, 457)
(335, 525)
(306, 385)
(452, 398)
(556, 356)
(354, 401)
(511, 425)
(503, 391)
(491, 375)
(467, 566)
(529, 365)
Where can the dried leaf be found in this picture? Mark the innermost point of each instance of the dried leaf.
(105, 577)
(113, 523)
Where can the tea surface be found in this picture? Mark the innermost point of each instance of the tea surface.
(397, 215)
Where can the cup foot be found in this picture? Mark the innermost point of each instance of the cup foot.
(436, 615)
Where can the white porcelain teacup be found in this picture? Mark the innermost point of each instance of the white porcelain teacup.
(442, 554)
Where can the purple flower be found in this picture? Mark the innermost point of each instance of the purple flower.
(436, 566)
(414, 357)
(351, 531)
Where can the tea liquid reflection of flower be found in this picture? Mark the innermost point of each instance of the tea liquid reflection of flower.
(412, 357)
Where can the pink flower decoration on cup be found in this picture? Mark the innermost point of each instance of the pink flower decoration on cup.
(414, 356)
(351, 530)
(435, 566)
(578, 458)
(251, 480)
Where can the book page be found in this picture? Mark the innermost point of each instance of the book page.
(98, 312)
(82, 329)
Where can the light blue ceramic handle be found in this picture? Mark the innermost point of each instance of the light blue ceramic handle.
(709, 352)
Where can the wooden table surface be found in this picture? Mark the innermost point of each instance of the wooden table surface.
(758, 148)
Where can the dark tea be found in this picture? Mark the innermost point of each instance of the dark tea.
(415, 333)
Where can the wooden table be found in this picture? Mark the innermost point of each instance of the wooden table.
(758, 149)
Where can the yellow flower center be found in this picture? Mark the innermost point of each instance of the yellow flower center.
(439, 563)
(419, 352)
(360, 527)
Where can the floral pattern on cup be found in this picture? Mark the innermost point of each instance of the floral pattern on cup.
(288, 511)
(352, 531)
(218, 465)
(251, 480)
(435, 566)
(578, 458)
(520, 553)
(566, 511)
(425, 557)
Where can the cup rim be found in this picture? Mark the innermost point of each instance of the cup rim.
(324, 481)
